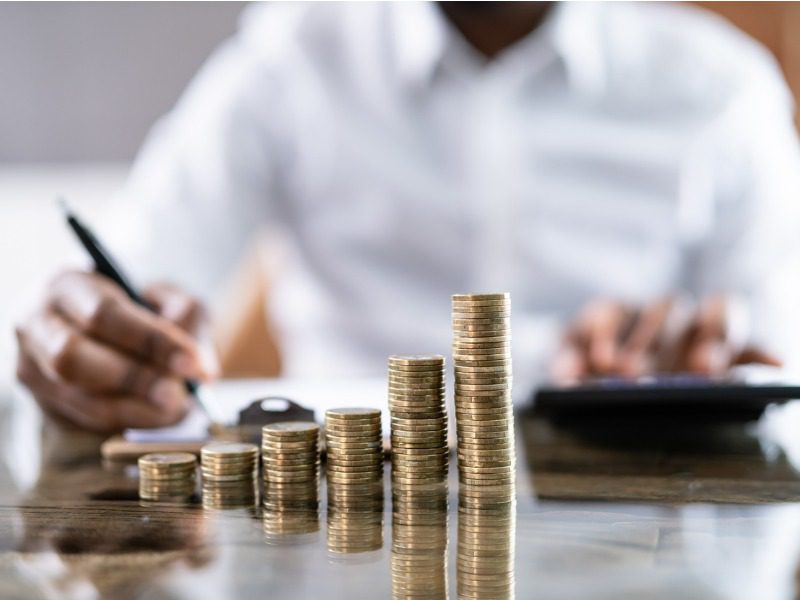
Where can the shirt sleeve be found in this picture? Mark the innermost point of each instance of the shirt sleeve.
(751, 249)
(206, 179)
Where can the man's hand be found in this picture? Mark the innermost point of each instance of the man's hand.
(611, 338)
(93, 357)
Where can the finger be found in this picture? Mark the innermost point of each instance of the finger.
(176, 306)
(643, 339)
(752, 355)
(602, 330)
(104, 312)
(184, 310)
(709, 357)
(568, 365)
(64, 353)
(96, 413)
(712, 319)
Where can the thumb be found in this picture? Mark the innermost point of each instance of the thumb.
(186, 311)
(176, 305)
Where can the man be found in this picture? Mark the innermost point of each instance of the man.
(633, 160)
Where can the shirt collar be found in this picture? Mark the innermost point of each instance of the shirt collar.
(423, 40)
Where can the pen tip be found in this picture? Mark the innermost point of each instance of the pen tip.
(62, 202)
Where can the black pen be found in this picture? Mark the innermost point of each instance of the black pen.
(107, 266)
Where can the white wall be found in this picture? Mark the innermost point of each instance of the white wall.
(83, 81)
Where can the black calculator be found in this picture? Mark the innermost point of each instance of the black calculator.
(732, 397)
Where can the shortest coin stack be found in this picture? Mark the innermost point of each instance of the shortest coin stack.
(167, 476)
(230, 471)
(290, 455)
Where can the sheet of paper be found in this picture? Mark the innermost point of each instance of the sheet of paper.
(231, 396)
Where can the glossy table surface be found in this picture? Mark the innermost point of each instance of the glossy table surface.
(602, 511)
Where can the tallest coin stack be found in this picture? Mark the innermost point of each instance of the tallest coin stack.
(484, 417)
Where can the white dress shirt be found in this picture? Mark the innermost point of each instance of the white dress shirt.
(621, 151)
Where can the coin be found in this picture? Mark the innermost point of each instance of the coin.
(417, 359)
(168, 460)
(487, 297)
(404, 378)
(350, 414)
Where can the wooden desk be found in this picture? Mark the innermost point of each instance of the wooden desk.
(599, 514)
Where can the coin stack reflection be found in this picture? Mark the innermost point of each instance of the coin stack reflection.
(355, 524)
(486, 538)
(230, 474)
(482, 362)
(354, 454)
(290, 518)
(168, 476)
(419, 543)
(419, 420)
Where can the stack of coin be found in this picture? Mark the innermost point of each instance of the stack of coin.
(486, 539)
(230, 474)
(419, 543)
(354, 454)
(354, 446)
(167, 476)
(419, 420)
(290, 459)
(482, 362)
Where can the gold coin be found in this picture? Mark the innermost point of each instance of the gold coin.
(484, 436)
(488, 387)
(348, 414)
(229, 449)
(474, 357)
(433, 445)
(483, 297)
(413, 379)
(424, 436)
(466, 334)
(409, 432)
(419, 461)
(167, 460)
(352, 435)
(461, 348)
(434, 422)
(420, 451)
(485, 311)
(502, 406)
(421, 410)
(430, 399)
(484, 372)
(430, 387)
(288, 428)
(490, 367)
(337, 477)
(474, 319)
(500, 409)
(358, 430)
(437, 398)
(466, 396)
(417, 359)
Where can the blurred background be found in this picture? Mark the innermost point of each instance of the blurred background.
(82, 84)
